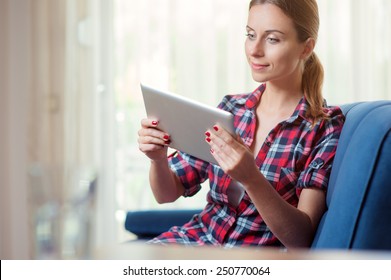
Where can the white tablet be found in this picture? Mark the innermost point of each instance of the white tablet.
(185, 120)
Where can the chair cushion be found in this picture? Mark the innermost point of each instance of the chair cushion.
(151, 223)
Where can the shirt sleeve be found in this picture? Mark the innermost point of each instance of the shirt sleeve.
(191, 171)
(318, 167)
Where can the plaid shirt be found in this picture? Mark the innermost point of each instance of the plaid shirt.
(295, 155)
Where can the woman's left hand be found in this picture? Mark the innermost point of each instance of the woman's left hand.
(233, 156)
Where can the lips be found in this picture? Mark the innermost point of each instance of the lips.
(258, 67)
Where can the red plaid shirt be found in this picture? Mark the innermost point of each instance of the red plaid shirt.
(294, 156)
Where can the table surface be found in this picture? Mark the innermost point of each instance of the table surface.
(142, 251)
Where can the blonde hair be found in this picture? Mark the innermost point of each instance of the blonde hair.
(305, 15)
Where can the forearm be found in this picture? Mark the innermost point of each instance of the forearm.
(165, 185)
(293, 227)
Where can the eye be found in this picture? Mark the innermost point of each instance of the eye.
(250, 36)
(272, 40)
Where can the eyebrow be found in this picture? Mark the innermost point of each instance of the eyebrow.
(268, 31)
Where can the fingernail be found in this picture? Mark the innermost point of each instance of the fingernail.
(166, 137)
(155, 122)
(216, 128)
(208, 140)
(207, 134)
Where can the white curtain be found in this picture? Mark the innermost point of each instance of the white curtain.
(73, 117)
(355, 48)
(58, 110)
(62, 131)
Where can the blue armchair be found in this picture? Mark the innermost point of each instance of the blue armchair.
(359, 195)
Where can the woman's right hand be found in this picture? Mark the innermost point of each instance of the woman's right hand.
(152, 141)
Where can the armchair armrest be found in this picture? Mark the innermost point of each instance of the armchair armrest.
(150, 223)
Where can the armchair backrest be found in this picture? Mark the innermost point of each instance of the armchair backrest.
(359, 195)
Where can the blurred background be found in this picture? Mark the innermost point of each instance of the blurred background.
(70, 104)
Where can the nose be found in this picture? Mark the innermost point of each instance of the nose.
(256, 48)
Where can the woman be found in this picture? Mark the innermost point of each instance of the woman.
(270, 188)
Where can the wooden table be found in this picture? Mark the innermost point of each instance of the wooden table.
(142, 251)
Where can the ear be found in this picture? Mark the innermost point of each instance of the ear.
(309, 46)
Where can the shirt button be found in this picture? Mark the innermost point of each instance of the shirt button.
(268, 144)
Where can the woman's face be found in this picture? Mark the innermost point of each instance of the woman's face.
(272, 47)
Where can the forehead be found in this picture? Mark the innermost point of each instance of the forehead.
(264, 17)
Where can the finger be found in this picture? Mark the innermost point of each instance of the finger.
(147, 148)
(218, 158)
(225, 161)
(225, 135)
(227, 150)
(221, 140)
(153, 132)
(149, 123)
(222, 152)
(147, 139)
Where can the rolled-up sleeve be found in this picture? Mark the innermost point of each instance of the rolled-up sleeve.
(192, 172)
(318, 167)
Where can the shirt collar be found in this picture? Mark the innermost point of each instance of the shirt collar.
(254, 97)
(300, 111)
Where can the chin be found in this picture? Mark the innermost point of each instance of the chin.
(259, 78)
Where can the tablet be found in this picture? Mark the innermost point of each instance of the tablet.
(185, 120)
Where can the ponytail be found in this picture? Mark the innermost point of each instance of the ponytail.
(312, 87)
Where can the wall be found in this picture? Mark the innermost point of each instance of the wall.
(14, 87)
(3, 127)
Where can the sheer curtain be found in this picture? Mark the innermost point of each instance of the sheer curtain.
(57, 153)
(355, 47)
(71, 118)
(62, 129)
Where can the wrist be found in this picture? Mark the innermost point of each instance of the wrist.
(254, 180)
(159, 161)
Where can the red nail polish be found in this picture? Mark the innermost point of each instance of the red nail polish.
(216, 128)
(166, 137)
(207, 134)
(208, 140)
(155, 122)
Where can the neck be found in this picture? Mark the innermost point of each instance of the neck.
(284, 92)
(278, 97)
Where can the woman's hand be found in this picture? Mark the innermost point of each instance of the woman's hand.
(152, 141)
(233, 156)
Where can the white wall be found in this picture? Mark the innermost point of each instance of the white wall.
(14, 87)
